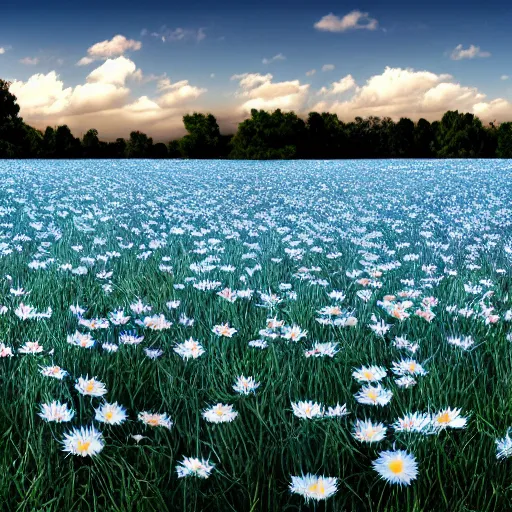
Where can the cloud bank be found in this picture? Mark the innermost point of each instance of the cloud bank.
(105, 102)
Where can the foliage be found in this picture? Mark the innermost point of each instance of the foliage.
(203, 138)
(139, 145)
(266, 135)
(269, 136)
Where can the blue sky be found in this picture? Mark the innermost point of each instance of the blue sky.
(228, 38)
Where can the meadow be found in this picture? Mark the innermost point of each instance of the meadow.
(255, 336)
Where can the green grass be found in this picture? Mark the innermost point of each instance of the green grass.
(256, 454)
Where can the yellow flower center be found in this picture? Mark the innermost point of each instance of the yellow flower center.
(372, 395)
(89, 387)
(82, 446)
(109, 415)
(396, 466)
(318, 488)
(444, 418)
(368, 374)
(219, 412)
(153, 421)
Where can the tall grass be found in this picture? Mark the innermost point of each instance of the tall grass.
(329, 205)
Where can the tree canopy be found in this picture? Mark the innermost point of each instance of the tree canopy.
(267, 135)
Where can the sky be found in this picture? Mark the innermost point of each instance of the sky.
(119, 66)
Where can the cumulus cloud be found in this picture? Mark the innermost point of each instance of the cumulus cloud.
(2, 50)
(45, 95)
(472, 52)
(41, 95)
(311, 72)
(505, 77)
(260, 92)
(343, 85)
(353, 20)
(328, 67)
(275, 58)
(401, 92)
(496, 110)
(105, 101)
(114, 47)
(114, 71)
(178, 92)
(30, 61)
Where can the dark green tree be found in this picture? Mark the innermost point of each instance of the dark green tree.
(460, 135)
(326, 137)
(402, 139)
(203, 138)
(49, 142)
(91, 144)
(423, 139)
(504, 149)
(159, 150)
(12, 128)
(269, 136)
(173, 149)
(139, 145)
(66, 146)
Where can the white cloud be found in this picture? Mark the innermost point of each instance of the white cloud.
(353, 20)
(343, 85)
(212, 75)
(472, 52)
(30, 61)
(328, 67)
(504, 77)
(496, 110)
(143, 104)
(41, 95)
(2, 50)
(85, 61)
(251, 80)
(259, 92)
(105, 101)
(114, 47)
(311, 72)
(178, 92)
(95, 97)
(44, 95)
(401, 92)
(275, 58)
(114, 71)
(177, 34)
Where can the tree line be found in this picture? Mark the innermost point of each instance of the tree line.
(267, 136)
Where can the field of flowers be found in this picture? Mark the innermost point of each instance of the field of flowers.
(249, 336)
